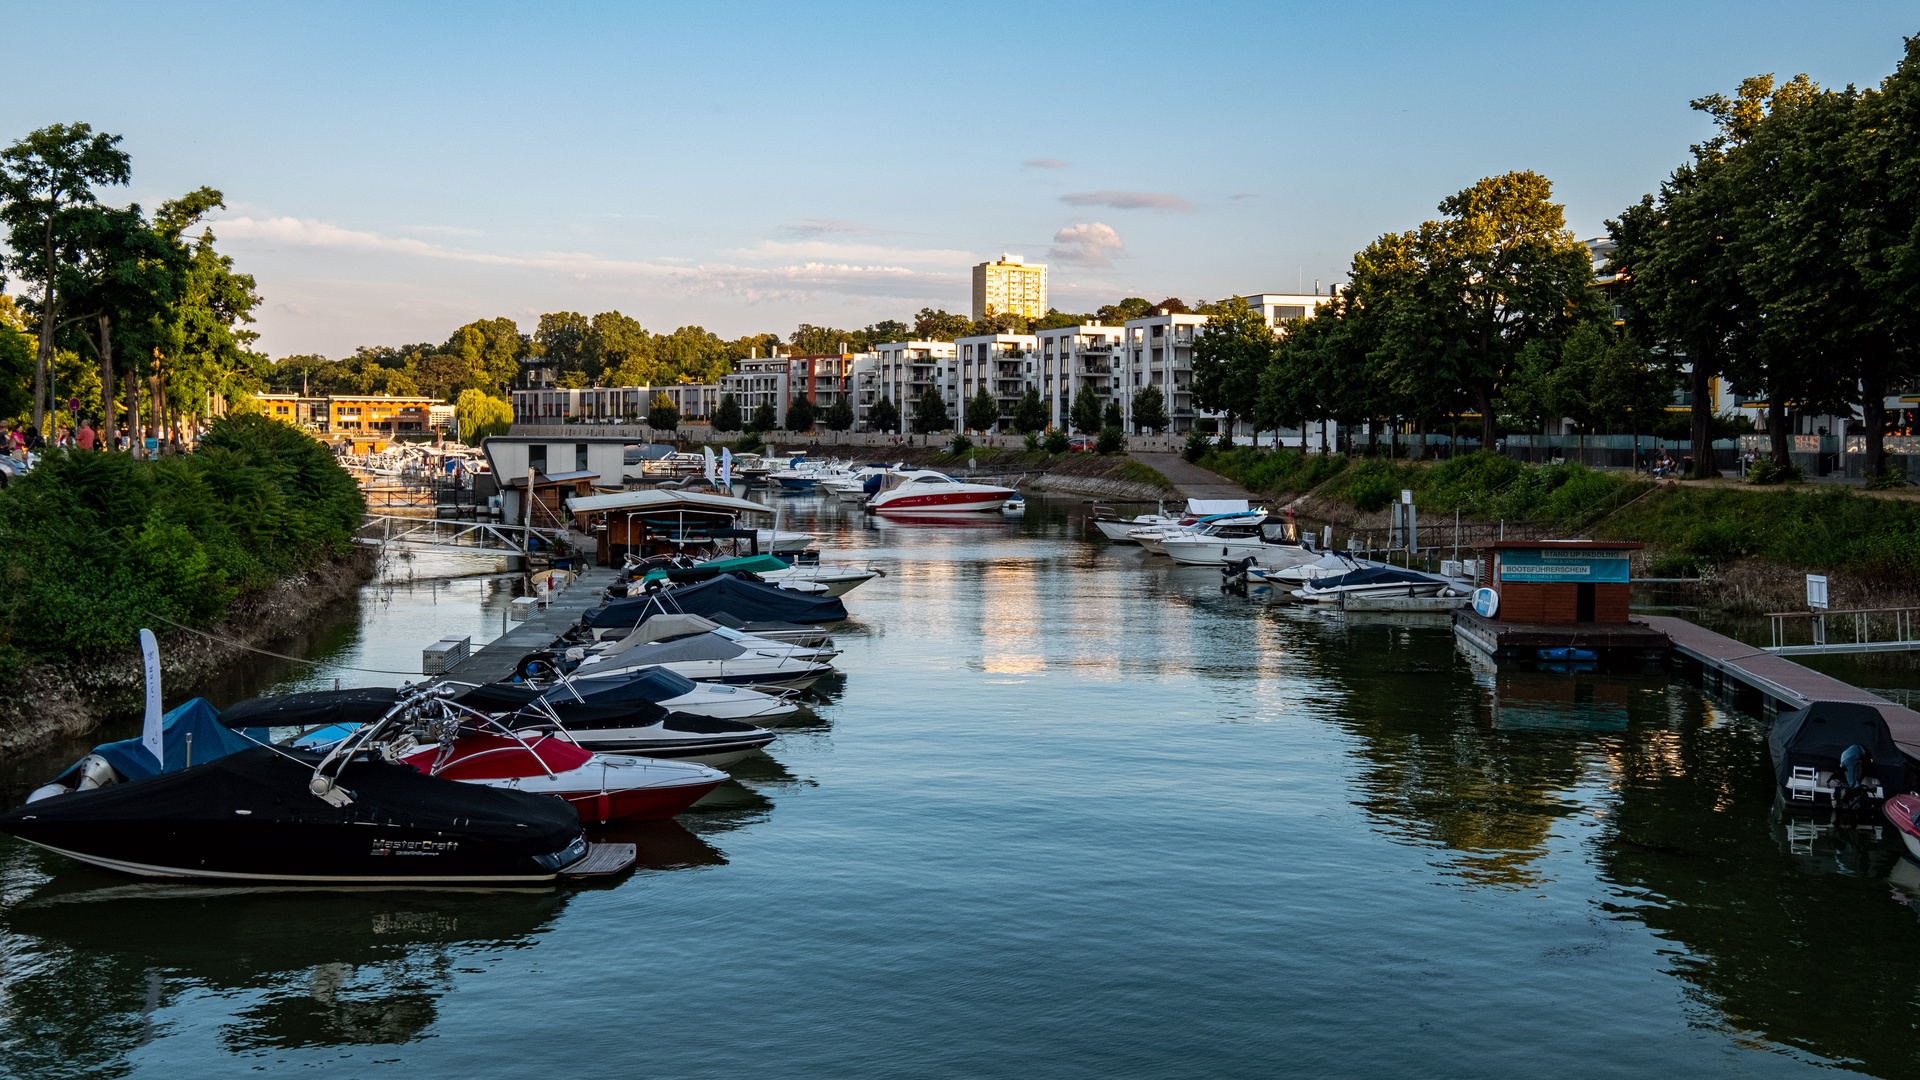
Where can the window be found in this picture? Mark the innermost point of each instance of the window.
(1289, 312)
(580, 457)
(537, 457)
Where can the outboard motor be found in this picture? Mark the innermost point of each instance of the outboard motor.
(1850, 783)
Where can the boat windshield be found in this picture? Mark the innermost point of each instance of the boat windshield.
(727, 632)
(655, 684)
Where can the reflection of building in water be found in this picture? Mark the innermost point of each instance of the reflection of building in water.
(1554, 700)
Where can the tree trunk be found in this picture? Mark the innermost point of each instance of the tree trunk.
(133, 413)
(1873, 410)
(1226, 431)
(1776, 429)
(1483, 396)
(106, 382)
(49, 318)
(1702, 381)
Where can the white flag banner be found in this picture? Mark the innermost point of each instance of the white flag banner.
(726, 468)
(708, 451)
(150, 731)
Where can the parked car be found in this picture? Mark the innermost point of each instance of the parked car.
(1081, 443)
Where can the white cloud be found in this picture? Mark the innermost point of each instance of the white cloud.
(827, 249)
(820, 226)
(1128, 200)
(855, 269)
(1092, 244)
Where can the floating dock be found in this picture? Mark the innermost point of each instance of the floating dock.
(1729, 665)
(495, 661)
(1635, 639)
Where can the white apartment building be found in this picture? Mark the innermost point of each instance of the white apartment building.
(1158, 350)
(1075, 356)
(776, 380)
(904, 369)
(1277, 308)
(1001, 364)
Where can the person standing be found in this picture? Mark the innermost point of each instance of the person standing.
(86, 436)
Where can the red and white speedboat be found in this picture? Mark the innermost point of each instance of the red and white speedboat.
(922, 492)
(1904, 812)
(600, 787)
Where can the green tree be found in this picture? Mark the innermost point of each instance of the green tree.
(983, 413)
(1229, 355)
(884, 415)
(930, 415)
(764, 419)
(726, 415)
(1149, 408)
(492, 350)
(620, 352)
(205, 346)
(819, 340)
(1112, 440)
(800, 414)
(480, 415)
(16, 360)
(1030, 413)
(1133, 307)
(693, 354)
(662, 415)
(839, 415)
(45, 180)
(121, 293)
(1084, 413)
(1111, 416)
(561, 339)
(932, 325)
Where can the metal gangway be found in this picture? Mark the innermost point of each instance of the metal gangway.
(459, 537)
(1875, 630)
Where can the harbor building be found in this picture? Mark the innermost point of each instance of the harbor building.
(1011, 285)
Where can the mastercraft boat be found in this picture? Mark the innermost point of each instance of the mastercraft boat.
(632, 726)
(923, 492)
(270, 815)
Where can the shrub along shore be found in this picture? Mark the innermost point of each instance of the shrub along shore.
(250, 534)
(1723, 530)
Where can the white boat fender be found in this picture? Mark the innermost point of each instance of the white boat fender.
(96, 772)
(47, 791)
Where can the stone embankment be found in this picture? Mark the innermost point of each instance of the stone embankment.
(62, 700)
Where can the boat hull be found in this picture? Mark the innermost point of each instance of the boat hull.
(714, 751)
(942, 503)
(1900, 810)
(1214, 551)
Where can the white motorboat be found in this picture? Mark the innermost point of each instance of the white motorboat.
(609, 725)
(1372, 581)
(1152, 536)
(783, 543)
(675, 693)
(713, 657)
(1121, 531)
(803, 475)
(853, 486)
(832, 580)
(678, 625)
(1332, 564)
(925, 492)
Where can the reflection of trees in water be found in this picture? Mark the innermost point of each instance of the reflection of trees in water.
(1789, 933)
(1438, 766)
(88, 959)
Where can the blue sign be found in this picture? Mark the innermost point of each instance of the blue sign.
(1560, 564)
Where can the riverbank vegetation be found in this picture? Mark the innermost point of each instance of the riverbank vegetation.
(1783, 258)
(94, 546)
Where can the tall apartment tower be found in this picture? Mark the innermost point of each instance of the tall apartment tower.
(1012, 284)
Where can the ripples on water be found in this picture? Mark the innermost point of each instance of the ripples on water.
(1070, 812)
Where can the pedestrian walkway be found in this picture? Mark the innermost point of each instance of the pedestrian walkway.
(496, 660)
(1192, 481)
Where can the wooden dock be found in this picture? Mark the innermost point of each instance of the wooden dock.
(1781, 683)
(495, 661)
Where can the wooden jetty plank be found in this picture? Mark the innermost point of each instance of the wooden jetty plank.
(1791, 684)
(494, 661)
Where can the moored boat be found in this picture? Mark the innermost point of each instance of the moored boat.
(924, 492)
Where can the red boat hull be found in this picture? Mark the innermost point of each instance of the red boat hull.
(636, 804)
(958, 502)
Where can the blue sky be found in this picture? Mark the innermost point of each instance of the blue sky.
(395, 170)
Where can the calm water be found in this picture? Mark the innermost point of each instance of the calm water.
(1069, 813)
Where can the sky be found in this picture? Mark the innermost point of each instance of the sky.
(392, 170)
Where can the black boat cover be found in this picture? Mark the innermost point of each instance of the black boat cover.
(1818, 734)
(499, 698)
(317, 708)
(1371, 575)
(273, 786)
(633, 695)
(751, 601)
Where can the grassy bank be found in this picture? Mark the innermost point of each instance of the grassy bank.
(93, 546)
(1687, 529)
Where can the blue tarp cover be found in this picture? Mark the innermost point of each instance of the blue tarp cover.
(211, 739)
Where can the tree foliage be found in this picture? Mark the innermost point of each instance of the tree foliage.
(1229, 355)
(884, 415)
(983, 412)
(662, 415)
(1030, 413)
(1150, 409)
(481, 415)
(930, 414)
(800, 414)
(726, 415)
(839, 415)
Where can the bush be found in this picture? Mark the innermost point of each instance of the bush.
(1057, 442)
(749, 444)
(95, 546)
(960, 445)
(1371, 494)
(1112, 440)
(1677, 565)
(1769, 471)
(1198, 446)
(1889, 479)
(1032, 440)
